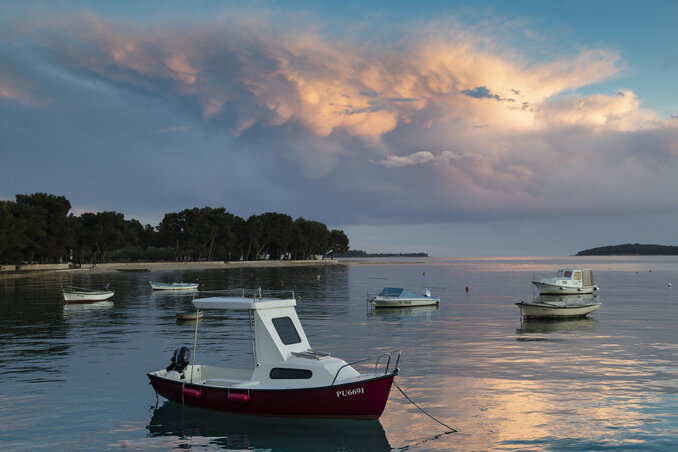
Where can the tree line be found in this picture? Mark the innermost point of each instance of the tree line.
(38, 228)
(631, 249)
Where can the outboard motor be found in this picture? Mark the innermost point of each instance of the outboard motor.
(181, 359)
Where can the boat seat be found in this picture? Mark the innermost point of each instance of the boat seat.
(224, 381)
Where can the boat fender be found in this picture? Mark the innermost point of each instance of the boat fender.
(195, 393)
(181, 359)
(238, 397)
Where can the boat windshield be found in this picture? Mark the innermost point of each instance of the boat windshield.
(568, 273)
(559, 274)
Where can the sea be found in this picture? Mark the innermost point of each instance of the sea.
(473, 375)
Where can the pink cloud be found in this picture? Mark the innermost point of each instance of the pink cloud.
(500, 131)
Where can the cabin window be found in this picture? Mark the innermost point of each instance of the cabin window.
(281, 373)
(559, 274)
(568, 274)
(577, 276)
(286, 330)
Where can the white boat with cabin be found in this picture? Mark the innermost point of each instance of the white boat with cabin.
(567, 281)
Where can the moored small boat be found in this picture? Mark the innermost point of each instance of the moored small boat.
(392, 297)
(82, 295)
(567, 281)
(558, 309)
(174, 286)
(190, 315)
(287, 377)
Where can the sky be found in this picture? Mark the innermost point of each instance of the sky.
(485, 128)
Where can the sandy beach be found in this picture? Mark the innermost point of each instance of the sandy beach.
(9, 271)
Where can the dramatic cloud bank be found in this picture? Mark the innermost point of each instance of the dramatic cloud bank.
(440, 126)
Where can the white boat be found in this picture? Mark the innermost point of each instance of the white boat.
(567, 281)
(571, 306)
(81, 295)
(392, 297)
(287, 378)
(174, 286)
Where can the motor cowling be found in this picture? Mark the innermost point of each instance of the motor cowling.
(181, 359)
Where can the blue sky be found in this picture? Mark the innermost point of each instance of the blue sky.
(457, 129)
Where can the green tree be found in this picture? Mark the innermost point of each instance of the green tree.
(12, 237)
(309, 238)
(338, 242)
(171, 233)
(103, 232)
(59, 235)
(276, 234)
(32, 219)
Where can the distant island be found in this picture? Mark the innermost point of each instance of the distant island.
(361, 253)
(631, 249)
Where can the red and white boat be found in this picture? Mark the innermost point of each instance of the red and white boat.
(287, 378)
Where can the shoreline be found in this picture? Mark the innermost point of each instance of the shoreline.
(8, 271)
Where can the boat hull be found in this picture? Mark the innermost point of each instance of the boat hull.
(85, 297)
(379, 302)
(190, 315)
(174, 286)
(364, 399)
(555, 289)
(546, 310)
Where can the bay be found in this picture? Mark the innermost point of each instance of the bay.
(74, 376)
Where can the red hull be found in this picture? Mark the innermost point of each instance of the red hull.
(363, 400)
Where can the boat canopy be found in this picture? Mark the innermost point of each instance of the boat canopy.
(278, 333)
(394, 292)
(236, 303)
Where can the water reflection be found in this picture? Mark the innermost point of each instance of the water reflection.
(529, 326)
(232, 431)
(79, 310)
(404, 313)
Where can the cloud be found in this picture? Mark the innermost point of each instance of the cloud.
(180, 129)
(306, 112)
(421, 157)
(481, 92)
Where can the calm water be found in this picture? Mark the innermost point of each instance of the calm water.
(74, 376)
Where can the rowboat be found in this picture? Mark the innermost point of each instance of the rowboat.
(190, 315)
(567, 281)
(287, 377)
(567, 306)
(392, 297)
(82, 295)
(174, 286)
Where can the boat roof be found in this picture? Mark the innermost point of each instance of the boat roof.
(240, 303)
(574, 269)
(396, 292)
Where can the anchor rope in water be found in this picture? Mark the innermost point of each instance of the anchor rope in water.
(451, 430)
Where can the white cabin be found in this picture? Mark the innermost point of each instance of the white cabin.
(567, 281)
(282, 353)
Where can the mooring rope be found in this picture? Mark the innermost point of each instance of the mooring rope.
(451, 430)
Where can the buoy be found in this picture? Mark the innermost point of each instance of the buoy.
(669, 284)
(466, 288)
